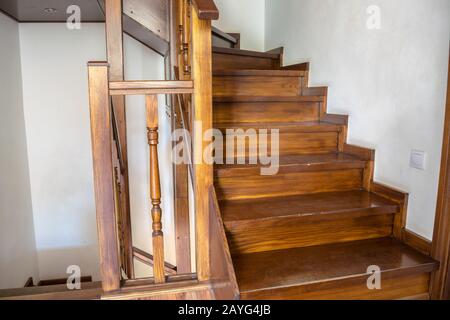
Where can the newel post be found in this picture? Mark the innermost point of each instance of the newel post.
(101, 135)
(202, 106)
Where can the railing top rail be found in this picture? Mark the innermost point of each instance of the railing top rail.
(150, 87)
(206, 9)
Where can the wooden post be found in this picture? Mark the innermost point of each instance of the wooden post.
(155, 189)
(202, 106)
(104, 175)
(114, 43)
(180, 171)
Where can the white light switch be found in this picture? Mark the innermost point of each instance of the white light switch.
(418, 159)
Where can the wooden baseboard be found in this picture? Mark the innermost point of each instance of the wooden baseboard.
(416, 241)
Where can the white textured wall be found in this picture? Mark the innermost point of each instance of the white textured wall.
(392, 82)
(54, 62)
(245, 17)
(18, 260)
(54, 66)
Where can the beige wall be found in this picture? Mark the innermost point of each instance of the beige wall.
(245, 17)
(18, 259)
(391, 81)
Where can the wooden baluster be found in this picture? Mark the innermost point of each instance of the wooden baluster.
(186, 37)
(155, 189)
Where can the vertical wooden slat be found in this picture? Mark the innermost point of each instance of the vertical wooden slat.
(180, 171)
(103, 175)
(202, 106)
(114, 44)
(155, 189)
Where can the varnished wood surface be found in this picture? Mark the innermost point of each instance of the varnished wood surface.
(441, 237)
(294, 163)
(305, 231)
(417, 242)
(321, 204)
(310, 265)
(293, 183)
(89, 291)
(202, 102)
(394, 287)
(101, 136)
(232, 59)
(265, 112)
(206, 9)
(222, 269)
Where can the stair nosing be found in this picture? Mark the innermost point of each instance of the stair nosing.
(247, 53)
(241, 98)
(353, 162)
(319, 214)
(258, 73)
(417, 268)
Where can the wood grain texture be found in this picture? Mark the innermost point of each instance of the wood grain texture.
(401, 198)
(417, 242)
(155, 189)
(103, 175)
(293, 183)
(151, 14)
(114, 45)
(222, 269)
(202, 104)
(265, 112)
(232, 59)
(336, 270)
(257, 83)
(294, 138)
(440, 288)
(313, 219)
(206, 9)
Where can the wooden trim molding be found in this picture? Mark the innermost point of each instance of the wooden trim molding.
(440, 284)
(416, 241)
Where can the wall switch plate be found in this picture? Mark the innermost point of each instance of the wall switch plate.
(418, 159)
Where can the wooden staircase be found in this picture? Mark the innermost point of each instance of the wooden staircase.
(312, 230)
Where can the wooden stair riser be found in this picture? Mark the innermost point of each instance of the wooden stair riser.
(285, 184)
(293, 232)
(265, 112)
(250, 85)
(394, 286)
(223, 61)
(289, 143)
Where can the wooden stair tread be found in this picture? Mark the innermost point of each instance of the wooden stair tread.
(319, 204)
(241, 98)
(306, 126)
(318, 264)
(248, 53)
(302, 162)
(259, 73)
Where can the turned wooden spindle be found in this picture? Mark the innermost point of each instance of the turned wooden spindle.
(155, 189)
(186, 36)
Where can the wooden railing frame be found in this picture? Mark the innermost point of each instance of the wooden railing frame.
(104, 85)
(114, 45)
(101, 135)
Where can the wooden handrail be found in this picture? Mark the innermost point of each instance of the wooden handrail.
(118, 88)
(206, 9)
(148, 259)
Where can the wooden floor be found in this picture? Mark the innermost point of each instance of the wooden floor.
(312, 230)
